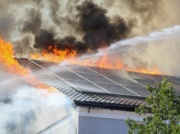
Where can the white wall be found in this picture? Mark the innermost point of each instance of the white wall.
(103, 121)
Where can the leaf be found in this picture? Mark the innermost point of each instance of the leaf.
(161, 111)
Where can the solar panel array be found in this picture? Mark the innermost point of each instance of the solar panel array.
(95, 80)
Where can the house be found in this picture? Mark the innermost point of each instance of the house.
(103, 98)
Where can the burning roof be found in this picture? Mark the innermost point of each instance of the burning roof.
(85, 28)
(97, 87)
(94, 79)
(11, 65)
(22, 99)
(77, 38)
(103, 61)
(87, 50)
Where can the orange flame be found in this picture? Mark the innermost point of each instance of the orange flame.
(56, 55)
(12, 65)
(103, 62)
(7, 59)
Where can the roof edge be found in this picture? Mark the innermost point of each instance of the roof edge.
(105, 105)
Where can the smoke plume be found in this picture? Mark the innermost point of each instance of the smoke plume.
(25, 109)
(99, 30)
(80, 24)
(160, 49)
(96, 27)
(33, 24)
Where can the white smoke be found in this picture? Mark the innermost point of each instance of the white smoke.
(27, 110)
(159, 49)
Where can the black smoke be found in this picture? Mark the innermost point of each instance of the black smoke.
(46, 38)
(98, 30)
(93, 26)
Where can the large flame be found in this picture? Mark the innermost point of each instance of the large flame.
(102, 62)
(55, 55)
(7, 59)
(10, 64)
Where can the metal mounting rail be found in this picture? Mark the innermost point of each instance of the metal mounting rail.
(54, 75)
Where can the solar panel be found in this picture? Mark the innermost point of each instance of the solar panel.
(117, 89)
(93, 79)
(87, 86)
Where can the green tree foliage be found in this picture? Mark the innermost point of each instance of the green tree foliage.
(160, 112)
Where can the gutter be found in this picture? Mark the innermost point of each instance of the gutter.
(105, 105)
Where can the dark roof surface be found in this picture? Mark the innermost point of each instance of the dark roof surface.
(95, 87)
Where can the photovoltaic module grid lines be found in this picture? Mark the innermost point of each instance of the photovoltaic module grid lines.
(96, 80)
